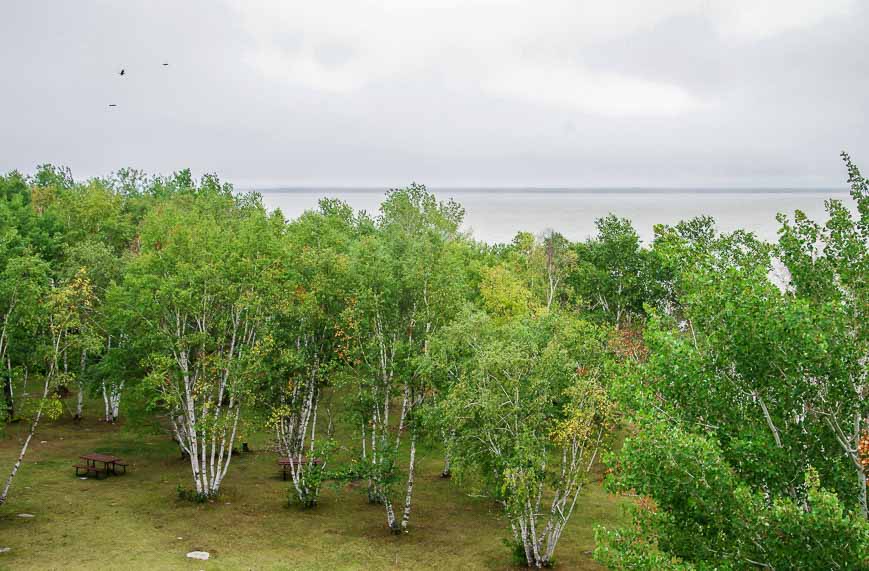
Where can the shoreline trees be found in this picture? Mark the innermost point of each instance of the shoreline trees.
(522, 359)
(751, 407)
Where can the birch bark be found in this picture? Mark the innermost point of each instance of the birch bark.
(79, 401)
(33, 426)
(207, 416)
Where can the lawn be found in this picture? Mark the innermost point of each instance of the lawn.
(136, 521)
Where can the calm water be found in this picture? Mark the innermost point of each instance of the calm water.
(495, 215)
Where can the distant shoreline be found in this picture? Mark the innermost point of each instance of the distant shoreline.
(550, 190)
(494, 215)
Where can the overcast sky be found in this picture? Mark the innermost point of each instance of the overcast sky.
(443, 92)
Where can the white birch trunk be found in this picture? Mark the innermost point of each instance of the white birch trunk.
(205, 426)
(577, 459)
(296, 437)
(8, 392)
(390, 514)
(405, 517)
(79, 401)
(107, 415)
(112, 401)
(5, 493)
(850, 444)
(115, 403)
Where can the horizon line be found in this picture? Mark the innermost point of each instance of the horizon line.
(544, 189)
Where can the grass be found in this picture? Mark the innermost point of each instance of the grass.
(136, 521)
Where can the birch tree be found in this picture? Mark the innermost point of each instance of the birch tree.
(678, 250)
(64, 311)
(28, 244)
(531, 416)
(308, 338)
(543, 263)
(23, 284)
(201, 285)
(759, 369)
(778, 375)
(695, 512)
(610, 278)
(762, 389)
(828, 268)
(408, 283)
(118, 361)
(103, 269)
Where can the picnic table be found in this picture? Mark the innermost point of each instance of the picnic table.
(286, 463)
(107, 460)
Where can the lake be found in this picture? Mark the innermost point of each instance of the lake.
(495, 215)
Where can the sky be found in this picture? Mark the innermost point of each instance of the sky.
(491, 93)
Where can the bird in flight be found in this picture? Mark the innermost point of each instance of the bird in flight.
(113, 104)
(123, 71)
(165, 64)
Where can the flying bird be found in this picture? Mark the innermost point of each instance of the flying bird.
(123, 71)
(113, 104)
(165, 64)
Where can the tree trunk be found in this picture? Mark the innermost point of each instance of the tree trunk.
(112, 400)
(296, 436)
(861, 476)
(8, 397)
(79, 402)
(858, 461)
(850, 444)
(446, 472)
(107, 415)
(210, 454)
(405, 517)
(390, 515)
(33, 426)
(116, 404)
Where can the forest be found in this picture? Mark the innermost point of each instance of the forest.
(713, 383)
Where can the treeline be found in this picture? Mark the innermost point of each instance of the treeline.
(735, 369)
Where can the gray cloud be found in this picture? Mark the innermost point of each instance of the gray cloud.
(483, 92)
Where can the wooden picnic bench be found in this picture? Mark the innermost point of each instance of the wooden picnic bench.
(107, 460)
(86, 469)
(286, 463)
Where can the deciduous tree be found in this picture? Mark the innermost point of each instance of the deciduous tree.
(531, 415)
(202, 285)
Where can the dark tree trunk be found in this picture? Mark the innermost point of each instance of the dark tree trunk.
(7, 398)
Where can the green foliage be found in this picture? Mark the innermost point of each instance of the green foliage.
(611, 278)
(192, 496)
(533, 269)
(409, 280)
(697, 511)
(751, 409)
(315, 475)
(203, 264)
(679, 251)
(503, 294)
(529, 413)
(748, 396)
(634, 548)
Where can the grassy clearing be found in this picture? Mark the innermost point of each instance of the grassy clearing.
(136, 522)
